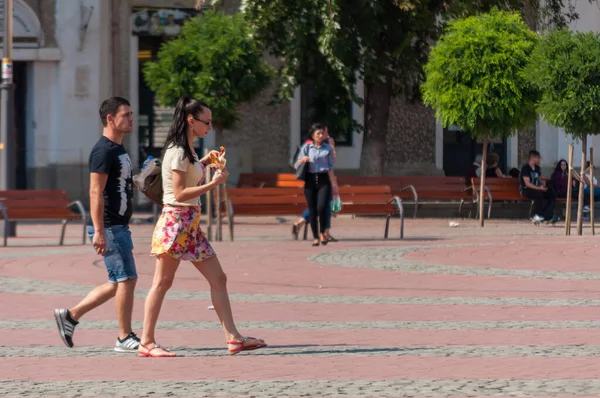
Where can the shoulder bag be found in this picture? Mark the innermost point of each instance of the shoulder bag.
(149, 181)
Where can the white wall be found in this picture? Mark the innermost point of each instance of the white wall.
(70, 120)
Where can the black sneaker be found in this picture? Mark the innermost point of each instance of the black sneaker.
(66, 326)
(128, 344)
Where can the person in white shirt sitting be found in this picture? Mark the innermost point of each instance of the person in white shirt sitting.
(588, 186)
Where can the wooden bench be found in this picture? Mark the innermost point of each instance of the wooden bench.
(356, 200)
(506, 190)
(38, 205)
(419, 190)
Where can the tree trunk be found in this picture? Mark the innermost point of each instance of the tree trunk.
(379, 97)
(568, 214)
(592, 192)
(530, 13)
(581, 193)
(482, 186)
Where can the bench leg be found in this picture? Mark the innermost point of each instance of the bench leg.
(387, 226)
(84, 235)
(62, 232)
(5, 218)
(306, 230)
(5, 232)
(401, 215)
(460, 207)
(231, 222)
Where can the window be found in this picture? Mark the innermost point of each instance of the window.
(317, 108)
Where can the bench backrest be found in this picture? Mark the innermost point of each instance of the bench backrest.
(288, 179)
(498, 184)
(32, 204)
(292, 200)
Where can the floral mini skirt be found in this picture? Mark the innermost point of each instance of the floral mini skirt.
(178, 234)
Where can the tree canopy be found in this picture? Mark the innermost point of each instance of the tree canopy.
(385, 43)
(215, 59)
(476, 75)
(566, 68)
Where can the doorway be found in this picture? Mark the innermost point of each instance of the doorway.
(460, 150)
(20, 122)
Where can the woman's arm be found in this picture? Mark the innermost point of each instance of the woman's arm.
(330, 161)
(183, 194)
(302, 157)
(499, 172)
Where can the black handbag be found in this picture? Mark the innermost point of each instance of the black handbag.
(302, 168)
(149, 181)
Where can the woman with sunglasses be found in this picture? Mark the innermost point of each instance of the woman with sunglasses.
(177, 235)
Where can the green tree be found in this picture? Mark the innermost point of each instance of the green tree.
(215, 59)
(566, 68)
(385, 42)
(475, 78)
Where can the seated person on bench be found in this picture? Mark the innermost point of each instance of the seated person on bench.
(587, 188)
(533, 187)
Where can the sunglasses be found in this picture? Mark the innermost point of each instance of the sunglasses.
(202, 121)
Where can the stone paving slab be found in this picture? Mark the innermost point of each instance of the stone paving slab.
(210, 338)
(251, 367)
(509, 310)
(322, 351)
(43, 324)
(314, 388)
(26, 306)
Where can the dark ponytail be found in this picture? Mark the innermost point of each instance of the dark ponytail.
(177, 135)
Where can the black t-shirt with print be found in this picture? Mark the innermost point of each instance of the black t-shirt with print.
(533, 174)
(110, 158)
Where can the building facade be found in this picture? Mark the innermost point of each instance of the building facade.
(70, 55)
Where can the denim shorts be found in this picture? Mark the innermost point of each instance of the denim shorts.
(118, 258)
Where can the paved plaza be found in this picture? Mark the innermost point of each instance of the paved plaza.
(509, 310)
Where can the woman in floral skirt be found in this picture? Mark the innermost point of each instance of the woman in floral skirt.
(177, 235)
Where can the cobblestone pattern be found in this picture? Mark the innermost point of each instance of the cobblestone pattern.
(319, 388)
(453, 351)
(42, 324)
(392, 259)
(535, 366)
(48, 288)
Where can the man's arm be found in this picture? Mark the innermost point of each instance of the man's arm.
(529, 185)
(97, 185)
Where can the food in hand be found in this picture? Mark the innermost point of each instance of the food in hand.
(218, 160)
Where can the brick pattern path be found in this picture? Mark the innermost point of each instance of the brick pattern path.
(510, 310)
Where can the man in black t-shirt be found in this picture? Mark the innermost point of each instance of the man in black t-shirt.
(533, 186)
(111, 194)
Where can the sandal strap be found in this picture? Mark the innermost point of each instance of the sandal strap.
(244, 339)
(154, 347)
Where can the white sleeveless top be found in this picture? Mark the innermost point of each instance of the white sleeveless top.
(175, 159)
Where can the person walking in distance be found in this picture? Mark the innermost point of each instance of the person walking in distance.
(320, 180)
(111, 193)
(178, 236)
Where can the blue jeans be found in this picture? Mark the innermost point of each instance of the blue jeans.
(596, 191)
(306, 215)
(118, 258)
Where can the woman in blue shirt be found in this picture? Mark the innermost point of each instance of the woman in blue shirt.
(320, 180)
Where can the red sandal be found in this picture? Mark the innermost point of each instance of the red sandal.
(148, 352)
(241, 345)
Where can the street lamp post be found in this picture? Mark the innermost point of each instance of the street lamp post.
(7, 133)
